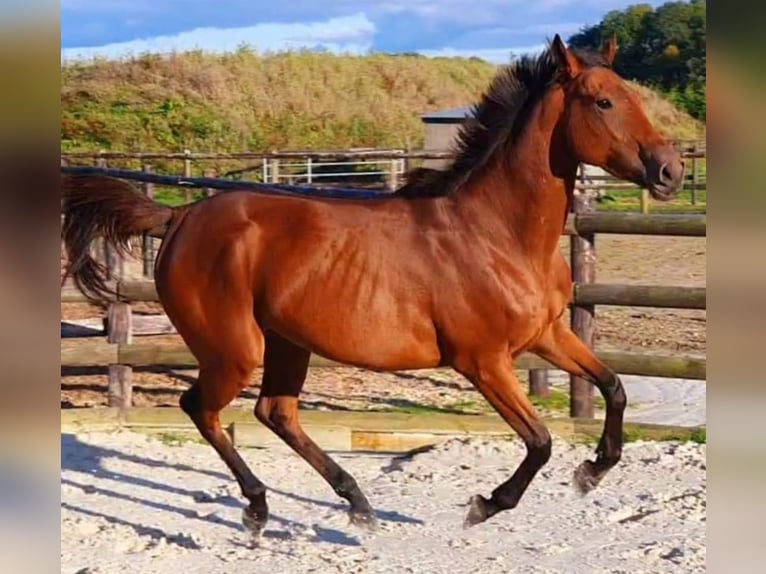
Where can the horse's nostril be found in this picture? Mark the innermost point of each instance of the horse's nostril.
(665, 174)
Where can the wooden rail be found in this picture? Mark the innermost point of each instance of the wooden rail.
(209, 182)
(658, 296)
(681, 224)
(99, 353)
(377, 153)
(399, 161)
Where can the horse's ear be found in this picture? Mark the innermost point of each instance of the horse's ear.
(609, 51)
(566, 59)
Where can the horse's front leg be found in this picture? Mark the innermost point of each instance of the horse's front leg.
(495, 379)
(561, 347)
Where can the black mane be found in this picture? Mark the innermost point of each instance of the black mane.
(497, 119)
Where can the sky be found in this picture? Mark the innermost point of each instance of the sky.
(488, 29)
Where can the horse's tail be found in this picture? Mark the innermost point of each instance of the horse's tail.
(99, 206)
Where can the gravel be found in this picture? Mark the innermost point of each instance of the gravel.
(133, 503)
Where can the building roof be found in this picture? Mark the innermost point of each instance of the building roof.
(452, 115)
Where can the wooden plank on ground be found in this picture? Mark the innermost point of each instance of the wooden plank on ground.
(92, 354)
(147, 354)
(349, 430)
(152, 325)
(328, 437)
(87, 419)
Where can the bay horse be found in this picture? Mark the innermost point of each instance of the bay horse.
(458, 268)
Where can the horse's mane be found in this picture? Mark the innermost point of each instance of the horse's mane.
(498, 118)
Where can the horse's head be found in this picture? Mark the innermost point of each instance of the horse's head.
(605, 125)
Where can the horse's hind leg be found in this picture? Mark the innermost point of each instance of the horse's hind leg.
(284, 372)
(202, 402)
(494, 378)
(229, 346)
(561, 347)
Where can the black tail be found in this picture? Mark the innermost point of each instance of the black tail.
(99, 206)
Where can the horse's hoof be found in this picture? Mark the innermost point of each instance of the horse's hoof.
(478, 511)
(585, 478)
(364, 519)
(254, 521)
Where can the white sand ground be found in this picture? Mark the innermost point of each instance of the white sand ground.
(680, 402)
(666, 401)
(132, 504)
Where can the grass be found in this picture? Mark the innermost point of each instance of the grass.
(556, 405)
(174, 196)
(457, 408)
(635, 433)
(244, 101)
(630, 200)
(170, 438)
(557, 402)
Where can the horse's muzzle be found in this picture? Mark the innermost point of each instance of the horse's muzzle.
(664, 173)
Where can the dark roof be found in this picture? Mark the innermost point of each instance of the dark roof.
(452, 115)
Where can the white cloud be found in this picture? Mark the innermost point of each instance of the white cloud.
(485, 12)
(562, 28)
(352, 34)
(488, 29)
(489, 38)
(548, 5)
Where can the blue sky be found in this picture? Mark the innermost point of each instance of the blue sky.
(489, 29)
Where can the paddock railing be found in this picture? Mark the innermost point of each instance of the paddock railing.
(121, 353)
(368, 167)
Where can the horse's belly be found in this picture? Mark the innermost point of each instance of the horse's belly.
(363, 337)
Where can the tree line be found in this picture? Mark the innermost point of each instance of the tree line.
(663, 47)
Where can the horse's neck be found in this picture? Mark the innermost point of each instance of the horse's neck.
(528, 190)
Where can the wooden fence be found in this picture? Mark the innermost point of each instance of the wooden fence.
(120, 353)
(298, 166)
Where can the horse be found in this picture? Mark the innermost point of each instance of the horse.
(459, 268)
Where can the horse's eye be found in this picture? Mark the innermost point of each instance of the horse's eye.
(603, 104)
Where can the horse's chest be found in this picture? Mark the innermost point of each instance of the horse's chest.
(537, 300)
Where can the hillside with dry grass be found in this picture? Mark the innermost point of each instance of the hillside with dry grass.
(296, 100)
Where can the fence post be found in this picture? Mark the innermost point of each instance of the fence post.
(309, 177)
(275, 170)
(407, 162)
(393, 176)
(694, 174)
(538, 383)
(120, 331)
(106, 252)
(644, 200)
(147, 241)
(209, 191)
(583, 263)
(187, 173)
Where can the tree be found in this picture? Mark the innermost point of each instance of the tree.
(664, 48)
